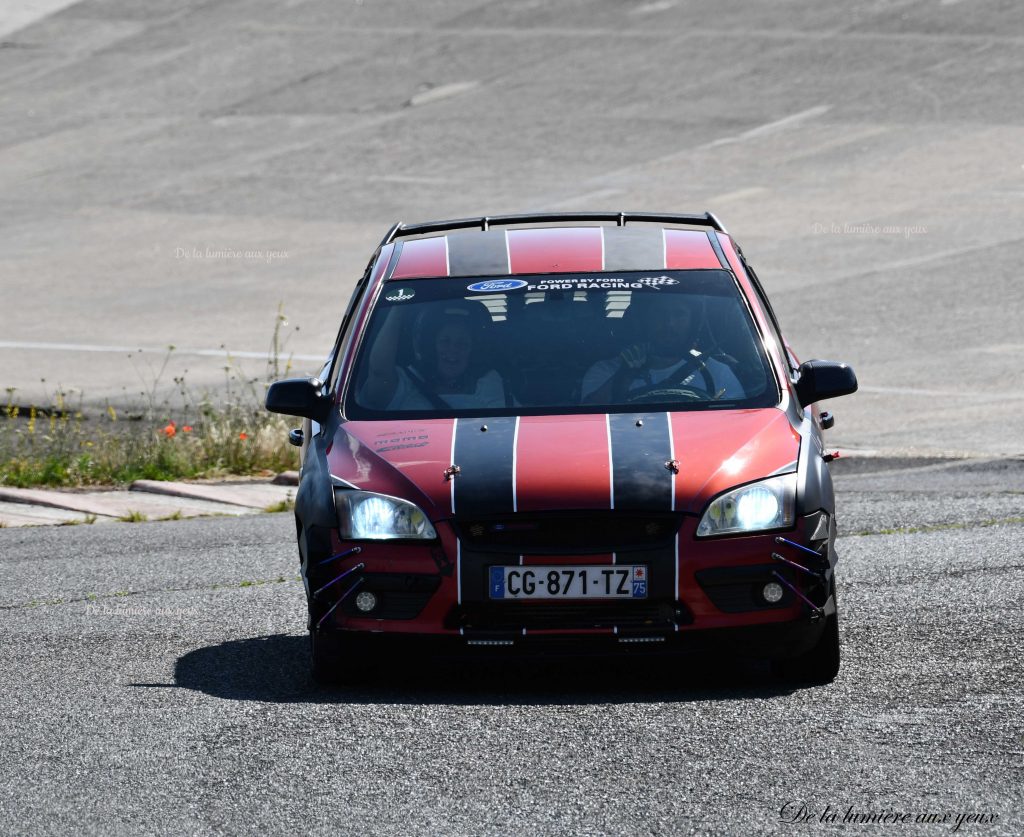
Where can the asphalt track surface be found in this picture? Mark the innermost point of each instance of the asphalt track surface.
(171, 171)
(155, 681)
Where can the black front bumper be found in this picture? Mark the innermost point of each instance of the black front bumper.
(776, 640)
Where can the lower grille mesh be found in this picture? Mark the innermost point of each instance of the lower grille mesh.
(562, 616)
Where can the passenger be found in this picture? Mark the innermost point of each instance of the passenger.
(666, 360)
(449, 370)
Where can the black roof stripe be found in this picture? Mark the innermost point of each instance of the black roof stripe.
(482, 254)
(633, 248)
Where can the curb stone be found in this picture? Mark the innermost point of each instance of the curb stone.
(152, 500)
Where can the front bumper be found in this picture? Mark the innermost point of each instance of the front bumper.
(780, 640)
(704, 594)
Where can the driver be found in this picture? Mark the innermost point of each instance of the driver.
(448, 371)
(664, 328)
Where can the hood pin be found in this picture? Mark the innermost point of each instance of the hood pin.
(639, 422)
(483, 428)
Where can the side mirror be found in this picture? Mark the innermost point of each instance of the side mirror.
(300, 397)
(821, 379)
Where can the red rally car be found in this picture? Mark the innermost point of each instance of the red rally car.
(572, 430)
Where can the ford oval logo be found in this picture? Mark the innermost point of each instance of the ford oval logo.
(495, 285)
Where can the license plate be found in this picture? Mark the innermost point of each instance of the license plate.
(619, 581)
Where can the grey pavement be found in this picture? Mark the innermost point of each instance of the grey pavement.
(155, 681)
(170, 172)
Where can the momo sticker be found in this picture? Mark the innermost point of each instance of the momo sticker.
(401, 440)
(400, 295)
(491, 286)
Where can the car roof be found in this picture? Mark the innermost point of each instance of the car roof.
(557, 243)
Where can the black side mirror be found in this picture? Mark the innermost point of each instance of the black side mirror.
(300, 397)
(821, 379)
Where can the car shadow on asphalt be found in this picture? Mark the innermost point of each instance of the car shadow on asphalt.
(275, 669)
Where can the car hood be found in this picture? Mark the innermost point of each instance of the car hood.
(546, 463)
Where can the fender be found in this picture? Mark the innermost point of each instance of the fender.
(814, 491)
(315, 512)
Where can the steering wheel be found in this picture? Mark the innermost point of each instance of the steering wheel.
(678, 390)
(658, 392)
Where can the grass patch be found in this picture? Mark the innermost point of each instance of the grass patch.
(938, 527)
(261, 581)
(66, 449)
(287, 504)
(88, 520)
(181, 437)
(132, 516)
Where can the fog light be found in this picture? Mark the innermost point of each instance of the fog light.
(772, 592)
(367, 601)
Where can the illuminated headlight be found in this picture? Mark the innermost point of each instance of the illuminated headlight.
(768, 504)
(378, 517)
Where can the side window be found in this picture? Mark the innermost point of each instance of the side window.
(339, 342)
(776, 331)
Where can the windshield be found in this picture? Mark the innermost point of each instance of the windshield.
(565, 343)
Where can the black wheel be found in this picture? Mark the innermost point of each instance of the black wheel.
(337, 660)
(820, 664)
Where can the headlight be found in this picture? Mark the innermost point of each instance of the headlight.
(768, 504)
(378, 517)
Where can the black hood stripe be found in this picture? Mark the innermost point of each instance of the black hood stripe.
(639, 447)
(486, 461)
(641, 444)
(672, 473)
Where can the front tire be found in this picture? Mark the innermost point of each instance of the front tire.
(336, 659)
(820, 664)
